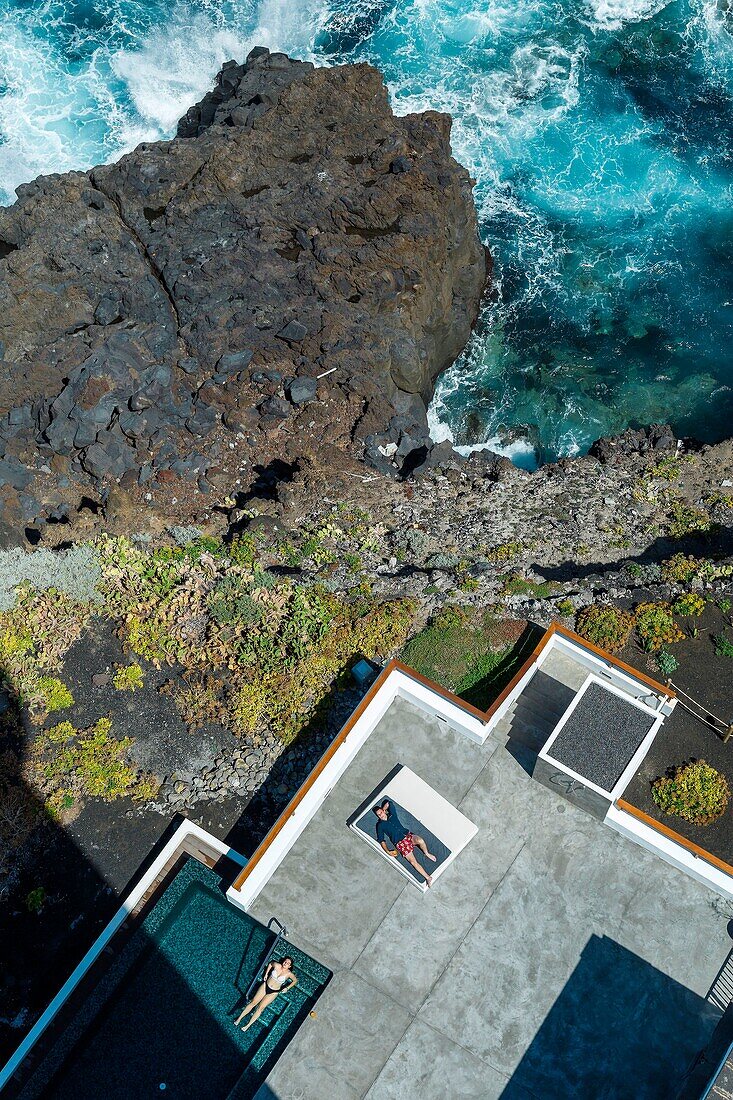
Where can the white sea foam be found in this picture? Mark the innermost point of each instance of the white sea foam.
(520, 451)
(611, 15)
(172, 70)
(73, 102)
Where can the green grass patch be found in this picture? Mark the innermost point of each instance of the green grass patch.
(466, 651)
(514, 584)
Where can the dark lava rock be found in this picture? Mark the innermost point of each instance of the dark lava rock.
(293, 332)
(15, 473)
(234, 361)
(301, 390)
(295, 225)
(275, 406)
(634, 441)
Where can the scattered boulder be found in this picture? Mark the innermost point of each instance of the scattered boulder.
(302, 390)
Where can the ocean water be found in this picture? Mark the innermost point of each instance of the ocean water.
(599, 133)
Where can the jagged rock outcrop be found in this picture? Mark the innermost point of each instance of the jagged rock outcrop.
(193, 295)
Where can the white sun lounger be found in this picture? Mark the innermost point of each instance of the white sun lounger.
(423, 811)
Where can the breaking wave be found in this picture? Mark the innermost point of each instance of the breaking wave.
(600, 134)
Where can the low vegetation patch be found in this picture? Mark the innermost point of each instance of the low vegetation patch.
(667, 663)
(694, 791)
(505, 552)
(690, 603)
(54, 693)
(686, 519)
(259, 646)
(723, 645)
(467, 651)
(128, 677)
(680, 568)
(683, 569)
(655, 626)
(605, 626)
(268, 647)
(514, 584)
(67, 765)
(34, 636)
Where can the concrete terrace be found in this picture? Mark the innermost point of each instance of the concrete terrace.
(553, 959)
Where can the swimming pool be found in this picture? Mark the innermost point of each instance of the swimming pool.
(161, 1021)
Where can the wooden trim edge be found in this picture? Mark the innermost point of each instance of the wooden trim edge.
(610, 659)
(689, 845)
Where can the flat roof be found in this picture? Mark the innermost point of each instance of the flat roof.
(552, 958)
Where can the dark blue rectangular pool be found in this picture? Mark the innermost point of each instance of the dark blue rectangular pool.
(161, 1020)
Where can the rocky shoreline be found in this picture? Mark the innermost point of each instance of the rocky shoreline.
(227, 342)
(294, 269)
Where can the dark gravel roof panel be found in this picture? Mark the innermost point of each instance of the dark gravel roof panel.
(601, 736)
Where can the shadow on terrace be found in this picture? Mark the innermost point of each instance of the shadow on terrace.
(158, 1006)
(613, 1031)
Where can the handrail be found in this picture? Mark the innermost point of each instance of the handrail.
(281, 934)
(706, 716)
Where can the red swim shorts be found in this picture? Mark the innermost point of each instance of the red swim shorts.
(406, 846)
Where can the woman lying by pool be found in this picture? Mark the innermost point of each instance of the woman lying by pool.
(276, 977)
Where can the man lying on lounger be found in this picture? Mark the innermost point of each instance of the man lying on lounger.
(390, 828)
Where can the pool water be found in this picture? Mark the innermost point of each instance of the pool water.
(167, 1026)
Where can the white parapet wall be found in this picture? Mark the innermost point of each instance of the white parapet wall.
(394, 683)
(186, 830)
(670, 851)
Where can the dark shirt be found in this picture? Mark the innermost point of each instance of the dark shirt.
(392, 828)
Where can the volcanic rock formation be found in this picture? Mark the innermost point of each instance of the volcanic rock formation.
(293, 270)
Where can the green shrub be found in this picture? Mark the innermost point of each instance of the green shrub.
(243, 550)
(35, 900)
(655, 626)
(685, 519)
(54, 693)
(691, 603)
(128, 677)
(319, 644)
(605, 626)
(151, 639)
(723, 645)
(668, 468)
(231, 602)
(68, 764)
(565, 608)
(725, 605)
(504, 552)
(667, 663)
(694, 791)
(517, 585)
(680, 569)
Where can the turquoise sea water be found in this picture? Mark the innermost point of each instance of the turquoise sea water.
(600, 134)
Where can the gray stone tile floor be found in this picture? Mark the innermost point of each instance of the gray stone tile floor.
(553, 959)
